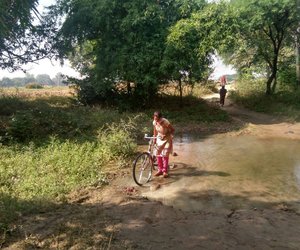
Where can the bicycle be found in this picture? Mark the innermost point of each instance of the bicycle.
(144, 164)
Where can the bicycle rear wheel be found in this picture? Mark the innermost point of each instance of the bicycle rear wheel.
(142, 168)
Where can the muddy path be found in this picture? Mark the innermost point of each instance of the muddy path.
(124, 216)
(259, 124)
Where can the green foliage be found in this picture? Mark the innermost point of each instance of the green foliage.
(250, 93)
(193, 109)
(34, 172)
(21, 126)
(184, 54)
(287, 75)
(53, 170)
(285, 102)
(86, 92)
(11, 104)
(33, 86)
(117, 140)
(262, 31)
(42, 118)
(21, 39)
(120, 41)
(286, 71)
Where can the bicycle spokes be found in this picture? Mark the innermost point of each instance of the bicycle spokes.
(142, 168)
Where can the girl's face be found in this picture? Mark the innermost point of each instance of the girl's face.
(155, 117)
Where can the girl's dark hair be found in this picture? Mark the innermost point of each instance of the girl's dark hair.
(158, 114)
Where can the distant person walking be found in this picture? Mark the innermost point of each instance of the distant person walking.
(223, 80)
(223, 92)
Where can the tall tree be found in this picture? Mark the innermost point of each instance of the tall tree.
(263, 28)
(58, 79)
(119, 41)
(21, 41)
(187, 56)
(44, 79)
(6, 82)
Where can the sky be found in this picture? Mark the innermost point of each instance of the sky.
(53, 67)
(221, 69)
(44, 66)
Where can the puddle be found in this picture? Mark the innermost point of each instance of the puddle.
(231, 173)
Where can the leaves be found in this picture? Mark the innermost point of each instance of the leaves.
(21, 41)
(119, 41)
(262, 29)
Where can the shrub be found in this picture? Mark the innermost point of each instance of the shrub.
(118, 140)
(11, 104)
(21, 126)
(33, 86)
(284, 102)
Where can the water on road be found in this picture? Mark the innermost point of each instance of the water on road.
(231, 173)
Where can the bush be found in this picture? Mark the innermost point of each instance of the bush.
(21, 126)
(118, 140)
(204, 89)
(34, 86)
(12, 104)
(285, 101)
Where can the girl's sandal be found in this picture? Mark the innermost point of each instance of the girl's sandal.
(158, 174)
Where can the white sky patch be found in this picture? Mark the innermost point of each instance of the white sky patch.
(44, 66)
(221, 69)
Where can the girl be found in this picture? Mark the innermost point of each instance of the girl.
(163, 131)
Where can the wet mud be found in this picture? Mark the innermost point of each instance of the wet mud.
(222, 172)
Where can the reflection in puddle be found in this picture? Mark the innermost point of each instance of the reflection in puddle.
(231, 172)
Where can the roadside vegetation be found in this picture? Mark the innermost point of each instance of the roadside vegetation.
(284, 102)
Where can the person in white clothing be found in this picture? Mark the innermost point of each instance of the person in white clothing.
(163, 131)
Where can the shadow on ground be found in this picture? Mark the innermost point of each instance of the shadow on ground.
(113, 218)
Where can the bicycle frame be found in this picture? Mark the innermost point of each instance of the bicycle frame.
(150, 146)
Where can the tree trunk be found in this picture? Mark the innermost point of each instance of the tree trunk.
(190, 82)
(274, 84)
(128, 88)
(297, 62)
(271, 83)
(180, 91)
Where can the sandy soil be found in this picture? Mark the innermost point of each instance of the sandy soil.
(119, 217)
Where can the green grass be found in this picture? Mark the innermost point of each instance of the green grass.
(284, 102)
(31, 173)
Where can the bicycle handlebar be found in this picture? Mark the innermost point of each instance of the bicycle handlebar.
(149, 137)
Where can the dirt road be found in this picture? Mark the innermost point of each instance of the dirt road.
(119, 217)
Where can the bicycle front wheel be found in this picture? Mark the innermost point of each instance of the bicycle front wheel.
(142, 168)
